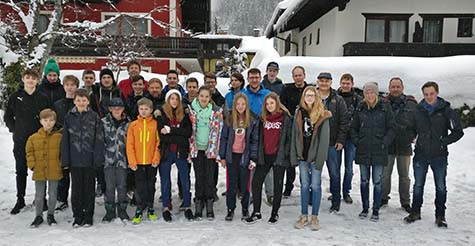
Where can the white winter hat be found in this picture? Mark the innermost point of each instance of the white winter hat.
(172, 91)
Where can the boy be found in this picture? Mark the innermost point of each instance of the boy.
(191, 89)
(125, 86)
(21, 118)
(88, 77)
(137, 93)
(143, 156)
(115, 165)
(51, 85)
(82, 151)
(62, 107)
(42, 154)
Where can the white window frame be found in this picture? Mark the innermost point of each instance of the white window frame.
(107, 14)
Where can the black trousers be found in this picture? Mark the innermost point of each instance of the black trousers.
(21, 169)
(258, 180)
(101, 179)
(63, 186)
(145, 179)
(290, 178)
(83, 191)
(237, 178)
(204, 176)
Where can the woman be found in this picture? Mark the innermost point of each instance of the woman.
(236, 85)
(207, 121)
(175, 130)
(274, 149)
(310, 140)
(371, 132)
(239, 143)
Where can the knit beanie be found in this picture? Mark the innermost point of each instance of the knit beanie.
(51, 66)
(371, 86)
(106, 71)
(172, 91)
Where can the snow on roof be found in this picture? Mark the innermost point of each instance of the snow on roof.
(217, 36)
(282, 14)
(255, 44)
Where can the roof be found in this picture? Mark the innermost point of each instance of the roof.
(217, 36)
(291, 14)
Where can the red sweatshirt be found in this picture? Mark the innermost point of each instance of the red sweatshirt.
(272, 127)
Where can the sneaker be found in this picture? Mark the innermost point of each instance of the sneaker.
(363, 214)
(61, 206)
(412, 217)
(20, 203)
(151, 214)
(375, 216)
(269, 200)
(37, 222)
(301, 222)
(347, 199)
(189, 214)
(384, 202)
(245, 214)
(230, 215)
(287, 193)
(273, 219)
(255, 217)
(88, 222)
(314, 223)
(77, 222)
(138, 217)
(50, 219)
(407, 207)
(440, 221)
(167, 216)
(335, 208)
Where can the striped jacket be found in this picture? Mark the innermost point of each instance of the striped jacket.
(216, 125)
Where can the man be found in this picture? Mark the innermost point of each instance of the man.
(155, 93)
(352, 100)
(125, 86)
(172, 83)
(88, 77)
(290, 97)
(192, 89)
(404, 108)
(434, 120)
(211, 82)
(339, 126)
(270, 81)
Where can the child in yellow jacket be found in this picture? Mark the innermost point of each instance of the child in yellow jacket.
(43, 158)
(143, 157)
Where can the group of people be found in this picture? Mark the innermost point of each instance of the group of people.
(121, 135)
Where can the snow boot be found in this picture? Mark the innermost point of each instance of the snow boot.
(122, 211)
(198, 209)
(209, 209)
(110, 213)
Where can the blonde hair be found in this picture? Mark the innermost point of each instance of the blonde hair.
(371, 105)
(178, 113)
(279, 106)
(47, 113)
(235, 113)
(145, 101)
(316, 110)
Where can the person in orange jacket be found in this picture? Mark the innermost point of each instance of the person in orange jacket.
(143, 156)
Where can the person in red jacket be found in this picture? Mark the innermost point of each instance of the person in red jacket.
(125, 86)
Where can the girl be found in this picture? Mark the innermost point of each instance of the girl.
(371, 132)
(236, 85)
(175, 130)
(310, 140)
(274, 150)
(239, 145)
(207, 121)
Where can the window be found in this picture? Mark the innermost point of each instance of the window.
(310, 40)
(222, 46)
(287, 44)
(43, 23)
(318, 37)
(127, 25)
(432, 29)
(390, 28)
(465, 27)
(304, 46)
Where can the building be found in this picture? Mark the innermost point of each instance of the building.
(425, 28)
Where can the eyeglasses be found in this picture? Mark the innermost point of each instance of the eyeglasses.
(310, 95)
(210, 82)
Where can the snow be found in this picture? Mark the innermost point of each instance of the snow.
(217, 36)
(342, 229)
(251, 44)
(277, 21)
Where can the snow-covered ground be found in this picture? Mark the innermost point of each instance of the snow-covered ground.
(342, 229)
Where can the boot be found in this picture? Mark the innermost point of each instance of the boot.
(301, 222)
(122, 211)
(37, 222)
(50, 219)
(314, 223)
(440, 221)
(209, 209)
(230, 215)
(198, 209)
(412, 217)
(110, 212)
(20, 203)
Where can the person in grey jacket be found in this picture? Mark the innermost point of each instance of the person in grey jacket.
(309, 149)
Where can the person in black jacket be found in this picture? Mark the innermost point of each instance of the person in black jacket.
(372, 132)
(62, 107)
(138, 91)
(434, 120)
(103, 92)
(400, 150)
(270, 80)
(82, 151)
(22, 119)
(211, 82)
(339, 126)
(154, 89)
(51, 84)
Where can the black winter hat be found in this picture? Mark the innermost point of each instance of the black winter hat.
(106, 71)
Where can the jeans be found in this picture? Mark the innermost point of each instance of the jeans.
(439, 169)
(365, 171)
(333, 165)
(205, 187)
(258, 179)
(237, 176)
(83, 191)
(116, 179)
(165, 171)
(350, 149)
(403, 163)
(40, 189)
(310, 178)
(145, 178)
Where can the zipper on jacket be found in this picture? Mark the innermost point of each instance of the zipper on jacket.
(144, 141)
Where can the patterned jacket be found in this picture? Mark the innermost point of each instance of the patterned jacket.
(216, 125)
(115, 142)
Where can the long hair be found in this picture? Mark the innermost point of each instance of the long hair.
(316, 110)
(178, 114)
(235, 114)
(279, 106)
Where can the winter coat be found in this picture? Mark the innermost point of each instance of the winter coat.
(283, 155)
(43, 155)
(62, 107)
(22, 113)
(54, 91)
(180, 89)
(157, 101)
(82, 144)
(131, 105)
(178, 135)
(276, 87)
(404, 113)
(125, 87)
(372, 132)
(218, 99)
(256, 99)
(290, 96)
(143, 142)
(251, 143)
(352, 100)
(115, 140)
(216, 125)
(229, 99)
(100, 99)
(340, 120)
(432, 131)
(318, 150)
